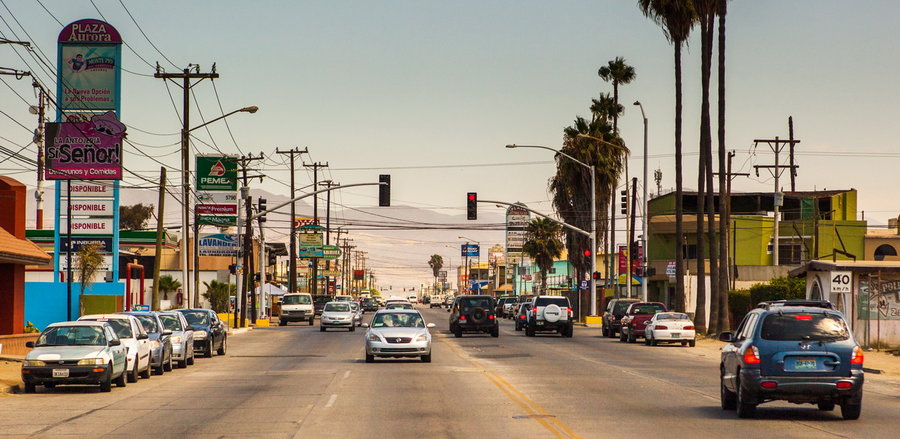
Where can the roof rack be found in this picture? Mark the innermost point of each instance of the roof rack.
(804, 303)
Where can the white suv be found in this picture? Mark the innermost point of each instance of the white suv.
(550, 313)
(297, 307)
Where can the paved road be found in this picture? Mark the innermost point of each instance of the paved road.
(298, 382)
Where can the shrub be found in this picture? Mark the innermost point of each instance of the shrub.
(738, 304)
(780, 288)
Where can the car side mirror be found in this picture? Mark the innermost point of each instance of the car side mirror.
(725, 336)
(29, 344)
(115, 342)
(364, 325)
(167, 332)
(430, 325)
(143, 336)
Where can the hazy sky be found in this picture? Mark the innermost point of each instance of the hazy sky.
(430, 92)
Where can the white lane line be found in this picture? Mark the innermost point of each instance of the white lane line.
(346, 374)
(331, 401)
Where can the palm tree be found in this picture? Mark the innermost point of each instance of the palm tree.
(436, 262)
(605, 107)
(219, 294)
(724, 323)
(167, 284)
(617, 72)
(677, 18)
(543, 245)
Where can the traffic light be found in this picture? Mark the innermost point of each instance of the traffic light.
(261, 206)
(587, 253)
(384, 190)
(624, 202)
(232, 269)
(596, 275)
(472, 205)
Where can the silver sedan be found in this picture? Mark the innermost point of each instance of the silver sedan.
(337, 315)
(398, 333)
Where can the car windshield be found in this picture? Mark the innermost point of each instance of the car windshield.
(337, 307)
(72, 336)
(620, 307)
(648, 308)
(122, 327)
(149, 323)
(803, 326)
(558, 301)
(172, 323)
(298, 299)
(322, 299)
(672, 316)
(197, 317)
(472, 302)
(399, 306)
(525, 307)
(398, 320)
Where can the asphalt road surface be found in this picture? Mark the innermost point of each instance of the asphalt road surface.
(297, 382)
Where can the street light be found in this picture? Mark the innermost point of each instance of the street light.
(593, 282)
(468, 268)
(644, 281)
(185, 190)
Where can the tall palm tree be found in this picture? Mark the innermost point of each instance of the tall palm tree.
(677, 18)
(436, 262)
(616, 72)
(543, 245)
(168, 284)
(724, 323)
(605, 106)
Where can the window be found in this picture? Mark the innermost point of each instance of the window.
(197, 317)
(72, 336)
(398, 320)
(337, 307)
(299, 299)
(121, 326)
(884, 250)
(804, 327)
(172, 323)
(149, 323)
(558, 301)
(747, 327)
(647, 308)
(672, 316)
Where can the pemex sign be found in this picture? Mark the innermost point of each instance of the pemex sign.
(216, 173)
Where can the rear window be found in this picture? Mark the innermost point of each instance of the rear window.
(558, 301)
(648, 308)
(472, 302)
(621, 307)
(338, 307)
(297, 299)
(802, 326)
(673, 316)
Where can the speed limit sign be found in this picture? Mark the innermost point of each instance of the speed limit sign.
(841, 281)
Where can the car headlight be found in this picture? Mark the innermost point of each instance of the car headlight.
(176, 339)
(422, 337)
(91, 362)
(373, 337)
(200, 335)
(34, 363)
(154, 344)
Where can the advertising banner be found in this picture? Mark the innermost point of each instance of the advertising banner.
(89, 66)
(332, 273)
(88, 226)
(217, 220)
(358, 274)
(216, 173)
(217, 197)
(311, 239)
(310, 252)
(103, 243)
(219, 244)
(89, 189)
(473, 250)
(331, 252)
(85, 150)
(88, 207)
(217, 209)
(517, 218)
(106, 265)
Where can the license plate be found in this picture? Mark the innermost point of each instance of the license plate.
(805, 364)
(60, 373)
(540, 323)
(676, 335)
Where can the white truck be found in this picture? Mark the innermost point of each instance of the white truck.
(297, 307)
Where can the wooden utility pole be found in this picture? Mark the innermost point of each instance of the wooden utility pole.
(791, 140)
(292, 262)
(314, 273)
(777, 145)
(247, 286)
(160, 231)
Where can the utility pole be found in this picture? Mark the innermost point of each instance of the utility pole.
(39, 142)
(186, 77)
(725, 218)
(314, 273)
(247, 284)
(632, 255)
(160, 231)
(775, 170)
(292, 271)
(791, 140)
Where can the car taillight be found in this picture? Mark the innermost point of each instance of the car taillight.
(661, 327)
(491, 317)
(570, 311)
(688, 328)
(522, 317)
(843, 385)
(769, 385)
(857, 356)
(803, 317)
(534, 311)
(462, 318)
(751, 355)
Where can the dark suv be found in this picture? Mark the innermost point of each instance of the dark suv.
(795, 352)
(612, 317)
(319, 303)
(473, 314)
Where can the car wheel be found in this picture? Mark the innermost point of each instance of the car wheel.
(133, 373)
(426, 358)
(529, 331)
(692, 343)
(145, 374)
(495, 332)
(352, 327)
(622, 337)
(30, 387)
(570, 332)
(654, 341)
(106, 383)
(457, 332)
(518, 327)
(159, 370)
(221, 350)
(728, 398)
(851, 411)
(604, 331)
(684, 343)
(612, 332)
(168, 367)
(282, 323)
(370, 358)
(631, 337)
(120, 380)
(190, 360)
(826, 406)
(312, 321)
(745, 409)
(208, 349)
(321, 328)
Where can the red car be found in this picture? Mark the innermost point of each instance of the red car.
(635, 319)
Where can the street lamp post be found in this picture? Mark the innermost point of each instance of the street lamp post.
(593, 282)
(646, 205)
(185, 188)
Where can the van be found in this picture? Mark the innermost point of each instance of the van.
(297, 307)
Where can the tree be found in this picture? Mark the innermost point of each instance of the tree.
(543, 245)
(724, 203)
(87, 263)
(617, 72)
(219, 294)
(605, 107)
(677, 18)
(168, 284)
(134, 217)
(436, 262)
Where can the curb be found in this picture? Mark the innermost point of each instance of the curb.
(239, 331)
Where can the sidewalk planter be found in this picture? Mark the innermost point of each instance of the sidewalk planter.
(15, 344)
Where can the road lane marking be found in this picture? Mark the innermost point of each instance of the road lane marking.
(331, 400)
(346, 374)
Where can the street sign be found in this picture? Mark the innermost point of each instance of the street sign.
(841, 281)
(216, 173)
(331, 252)
(585, 285)
(217, 220)
(217, 209)
(88, 207)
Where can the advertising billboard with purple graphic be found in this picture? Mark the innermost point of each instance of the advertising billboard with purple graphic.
(88, 64)
(85, 150)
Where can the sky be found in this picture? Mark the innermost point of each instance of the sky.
(430, 92)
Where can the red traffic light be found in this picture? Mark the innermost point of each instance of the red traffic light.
(471, 197)
(587, 253)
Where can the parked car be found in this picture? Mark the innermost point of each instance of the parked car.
(160, 341)
(473, 314)
(522, 316)
(670, 327)
(635, 319)
(319, 303)
(435, 301)
(551, 313)
(370, 304)
(182, 337)
(210, 334)
(84, 352)
(612, 316)
(398, 333)
(800, 354)
(297, 307)
(136, 341)
(337, 315)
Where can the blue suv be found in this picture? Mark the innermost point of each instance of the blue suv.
(795, 351)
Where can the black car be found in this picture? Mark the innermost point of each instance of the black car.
(210, 334)
(473, 314)
(521, 316)
(612, 316)
(319, 303)
(369, 304)
(800, 354)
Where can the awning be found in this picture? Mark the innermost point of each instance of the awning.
(271, 290)
(504, 287)
(20, 251)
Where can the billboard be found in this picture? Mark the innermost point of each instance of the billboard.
(219, 244)
(216, 173)
(89, 66)
(85, 150)
(470, 250)
(517, 218)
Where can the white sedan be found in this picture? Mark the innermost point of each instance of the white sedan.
(398, 333)
(670, 327)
